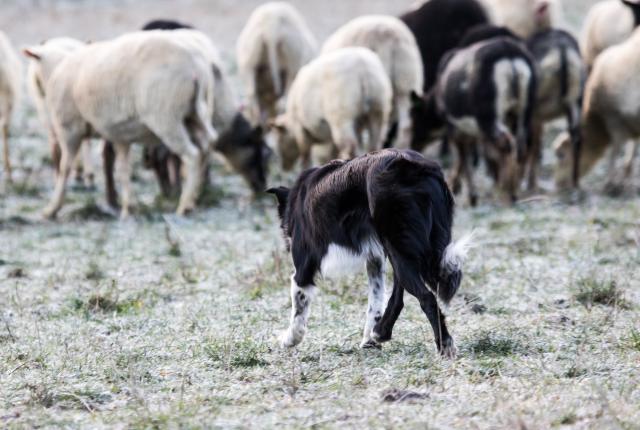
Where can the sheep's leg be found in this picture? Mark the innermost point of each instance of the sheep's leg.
(56, 153)
(455, 180)
(301, 297)
(618, 139)
(632, 152)
(123, 167)
(88, 173)
(403, 107)
(6, 151)
(384, 328)
(611, 165)
(375, 307)
(573, 119)
(467, 170)
(69, 148)
(346, 141)
(534, 154)
(377, 129)
(108, 165)
(178, 141)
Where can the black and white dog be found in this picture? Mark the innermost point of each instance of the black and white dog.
(347, 214)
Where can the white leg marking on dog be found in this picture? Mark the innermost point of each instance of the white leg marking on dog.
(377, 302)
(300, 302)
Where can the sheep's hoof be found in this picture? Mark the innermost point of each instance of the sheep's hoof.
(287, 340)
(49, 213)
(370, 344)
(448, 349)
(613, 189)
(185, 210)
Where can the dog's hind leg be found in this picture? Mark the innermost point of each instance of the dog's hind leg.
(375, 271)
(301, 297)
(429, 305)
(384, 328)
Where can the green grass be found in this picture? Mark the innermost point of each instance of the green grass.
(593, 292)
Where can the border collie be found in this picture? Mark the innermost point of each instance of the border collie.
(348, 214)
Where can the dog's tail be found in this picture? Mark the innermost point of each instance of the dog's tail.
(412, 210)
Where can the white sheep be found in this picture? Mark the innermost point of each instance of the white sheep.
(525, 17)
(140, 87)
(335, 98)
(10, 84)
(275, 43)
(610, 114)
(396, 46)
(58, 48)
(608, 23)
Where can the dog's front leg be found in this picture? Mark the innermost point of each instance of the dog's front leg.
(375, 271)
(301, 297)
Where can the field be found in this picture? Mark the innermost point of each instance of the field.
(166, 322)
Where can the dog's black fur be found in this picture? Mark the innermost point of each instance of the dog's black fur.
(397, 198)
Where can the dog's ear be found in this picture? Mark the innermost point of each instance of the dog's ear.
(282, 194)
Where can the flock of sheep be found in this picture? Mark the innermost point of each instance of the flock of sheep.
(484, 76)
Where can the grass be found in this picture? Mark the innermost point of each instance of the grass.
(593, 292)
(161, 322)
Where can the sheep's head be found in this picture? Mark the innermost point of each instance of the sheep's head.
(427, 123)
(563, 173)
(246, 151)
(284, 142)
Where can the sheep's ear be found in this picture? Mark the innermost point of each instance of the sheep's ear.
(32, 52)
(542, 9)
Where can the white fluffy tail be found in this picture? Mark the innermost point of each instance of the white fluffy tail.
(456, 253)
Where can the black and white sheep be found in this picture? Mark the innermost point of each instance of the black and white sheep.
(485, 93)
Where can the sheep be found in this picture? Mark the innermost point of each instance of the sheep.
(275, 43)
(485, 92)
(58, 48)
(438, 26)
(608, 23)
(10, 85)
(561, 76)
(334, 99)
(241, 145)
(396, 46)
(610, 115)
(347, 214)
(139, 87)
(525, 17)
